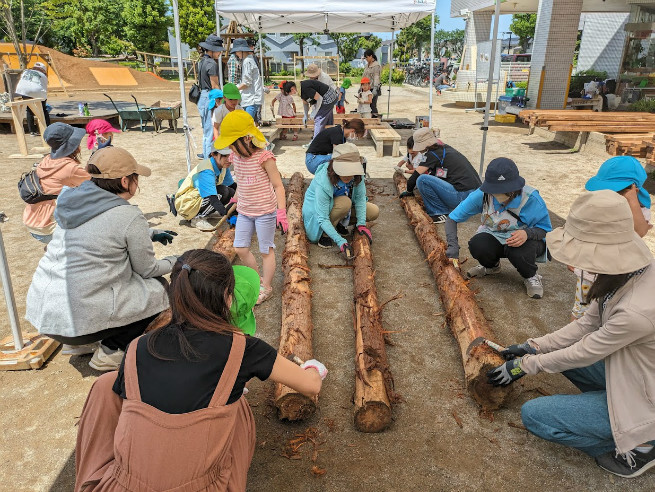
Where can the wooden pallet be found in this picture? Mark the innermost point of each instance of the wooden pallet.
(36, 351)
(628, 144)
(381, 136)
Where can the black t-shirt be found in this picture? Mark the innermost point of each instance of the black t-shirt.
(459, 171)
(207, 68)
(309, 88)
(325, 141)
(180, 385)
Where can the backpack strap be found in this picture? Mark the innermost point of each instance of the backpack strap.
(230, 372)
(132, 390)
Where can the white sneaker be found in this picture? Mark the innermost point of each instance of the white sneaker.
(202, 224)
(480, 271)
(105, 359)
(89, 348)
(534, 287)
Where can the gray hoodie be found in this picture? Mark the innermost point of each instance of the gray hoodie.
(99, 269)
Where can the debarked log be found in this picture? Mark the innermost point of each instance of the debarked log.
(464, 316)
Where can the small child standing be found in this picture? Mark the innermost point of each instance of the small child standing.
(261, 200)
(287, 107)
(341, 99)
(364, 98)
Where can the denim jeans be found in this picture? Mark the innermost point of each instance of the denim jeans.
(44, 239)
(206, 122)
(312, 161)
(579, 421)
(253, 111)
(439, 196)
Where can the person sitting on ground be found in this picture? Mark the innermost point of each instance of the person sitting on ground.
(110, 286)
(364, 98)
(340, 107)
(442, 83)
(99, 134)
(320, 149)
(445, 178)
(322, 98)
(411, 160)
(626, 176)
(314, 72)
(61, 167)
(287, 107)
(231, 98)
(609, 353)
(206, 190)
(33, 84)
(337, 187)
(184, 384)
(515, 221)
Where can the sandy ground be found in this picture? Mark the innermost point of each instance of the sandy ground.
(425, 448)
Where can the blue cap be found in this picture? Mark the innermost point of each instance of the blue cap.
(619, 173)
(214, 94)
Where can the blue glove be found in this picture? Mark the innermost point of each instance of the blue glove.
(517, 351)
(405, 194)
(232, 220)
(506, 373)
(164, 237)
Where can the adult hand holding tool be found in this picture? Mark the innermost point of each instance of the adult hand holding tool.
(164, 237)
(365, 231)
(506, 373)
(518, 350)
(347, 250)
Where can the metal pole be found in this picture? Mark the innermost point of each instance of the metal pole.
(180, 67)
(261, 64)
(9, 292)
(431, 65)
(492, 66)
(218, 33)
(393, 33)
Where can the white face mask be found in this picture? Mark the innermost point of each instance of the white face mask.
(501, 197)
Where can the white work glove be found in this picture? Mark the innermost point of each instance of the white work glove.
(304, 120)
(313, 363)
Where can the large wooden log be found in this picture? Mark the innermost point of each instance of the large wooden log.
(373, 380)
(464, 316)
(297, 326)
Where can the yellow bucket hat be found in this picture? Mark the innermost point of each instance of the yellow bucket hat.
(238, 124)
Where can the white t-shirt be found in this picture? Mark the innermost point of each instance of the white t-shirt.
(221, 112)
(363, 96)
(32, 83)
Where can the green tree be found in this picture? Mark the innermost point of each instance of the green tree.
(22, 21)
(301, 38)
(347, 44)
(415, 36)
(146, 24)
(371, 42)
(453, 41)
(523, 25)
(197, 21)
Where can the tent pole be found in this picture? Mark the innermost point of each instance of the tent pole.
(393, 33)
(218, 33)
(180, 68)
(431, 65)
(261, 64)
(9, 293)
(490, 81)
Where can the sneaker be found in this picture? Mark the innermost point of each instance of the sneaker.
(305, 146)
(341, 229)
(264, 294)
(325, 242)
(628, 465)
(534, 287)
(439, 219)
(481, 271)
(171, 204)
(201, 224)
(200, 156)
(89, 348)
(105, 359)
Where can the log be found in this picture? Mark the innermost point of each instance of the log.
(373, 380)
(464, 316)
(297, 326)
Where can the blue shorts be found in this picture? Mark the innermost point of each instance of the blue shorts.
(264, 225)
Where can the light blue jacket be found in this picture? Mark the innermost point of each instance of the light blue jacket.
(319, 200)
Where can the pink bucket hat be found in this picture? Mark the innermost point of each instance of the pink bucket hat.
(97, 126)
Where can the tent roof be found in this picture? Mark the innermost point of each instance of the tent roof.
(331, 15)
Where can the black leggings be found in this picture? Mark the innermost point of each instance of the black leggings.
(31, 127)
(374, 105)
(488, 250)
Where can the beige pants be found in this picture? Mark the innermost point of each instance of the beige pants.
(343, 204)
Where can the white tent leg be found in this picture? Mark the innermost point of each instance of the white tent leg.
(492, 65)
(261, 64)
(431, 65)
(393, 33)
(180, 67)
(218, 33)
(9, 293)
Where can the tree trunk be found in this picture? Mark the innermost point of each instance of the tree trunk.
(373, 380)
(301, 45)
(297, 326)
(464, 316)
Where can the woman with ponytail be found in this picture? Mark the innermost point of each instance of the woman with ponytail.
(175, 415)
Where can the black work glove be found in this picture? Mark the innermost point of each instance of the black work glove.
(405, 194)
(518, 350)
(164, 237)
(347, 251)
(215, 202)
(506, 373)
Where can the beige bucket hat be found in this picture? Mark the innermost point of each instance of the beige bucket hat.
(599, 236)
(423, 138)
(312, 70)
(115, 162)
(346, 160)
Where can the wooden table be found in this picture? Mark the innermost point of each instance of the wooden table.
(381, 136)
(73, 119)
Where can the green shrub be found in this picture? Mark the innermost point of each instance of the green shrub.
(357, 72)
(521, 85)
(398, 76)
(644, 106)
(345, 68)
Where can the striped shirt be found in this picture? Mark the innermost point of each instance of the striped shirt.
(256, 193)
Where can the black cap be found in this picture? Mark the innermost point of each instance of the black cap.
(502, 176)
(212, 43)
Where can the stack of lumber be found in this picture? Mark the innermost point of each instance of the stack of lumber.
(634, 144)
(561, 120)
(650, 151)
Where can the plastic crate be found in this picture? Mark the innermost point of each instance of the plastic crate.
(514, 91)
(505, 118)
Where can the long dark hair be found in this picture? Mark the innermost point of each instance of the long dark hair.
(605, 284)
(334, 177)
(355, 124)
(370, 52)
(201, 283)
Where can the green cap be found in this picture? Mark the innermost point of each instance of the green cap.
(346, 83)
(246, 292)
(230, 91)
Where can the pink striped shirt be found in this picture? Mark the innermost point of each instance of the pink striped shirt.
(255, 190)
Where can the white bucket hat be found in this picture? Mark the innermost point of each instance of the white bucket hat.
(424, 138)
(599, 236)
(346, 160)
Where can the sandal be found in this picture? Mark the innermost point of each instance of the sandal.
(264, 294)
(295, 137)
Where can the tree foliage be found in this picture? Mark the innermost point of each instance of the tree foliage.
(523, 25)
(22, 21)
(197, 20)
(371, 42)
(347, 44)
(453, 41)
(301, 38)
(412, 38)
(146, 24)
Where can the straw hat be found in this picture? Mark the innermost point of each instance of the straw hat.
(239, 124)
(346, 160)
(599, 236)
(424, 138)
(312, 70)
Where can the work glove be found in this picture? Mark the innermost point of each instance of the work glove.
(405, 194)
(304, 120)
(347, 250)
(232, 220)
(314, 364)
(281, 220)
(232, 200)
(164, 237)
(517, 351)
(506, 373)
(365, 231)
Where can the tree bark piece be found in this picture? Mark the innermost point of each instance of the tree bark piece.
(373, 380)
(224, 244)
(297, 326)
(465, 318)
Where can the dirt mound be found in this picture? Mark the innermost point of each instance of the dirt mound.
(77, 74)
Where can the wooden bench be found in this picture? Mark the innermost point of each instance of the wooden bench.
(381, 136)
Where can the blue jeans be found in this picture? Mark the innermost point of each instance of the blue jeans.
(206, 122)
(253, 111)
(439, 196)
(312, 161)
(44, 239)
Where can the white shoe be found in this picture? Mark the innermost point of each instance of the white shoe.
(534, 287)
(105, 359)
(305, 146)
(89, 348)
(202, 224)
(480, 271)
